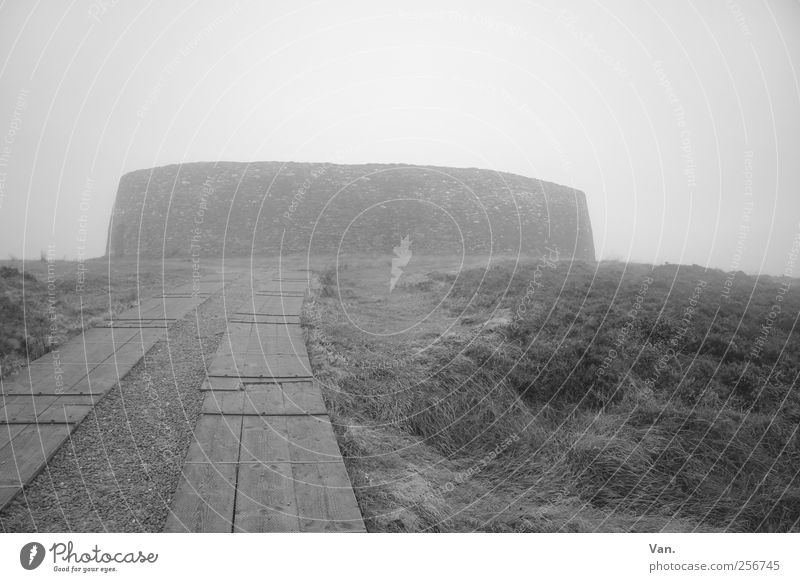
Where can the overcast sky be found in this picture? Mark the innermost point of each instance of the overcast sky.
(680, 120)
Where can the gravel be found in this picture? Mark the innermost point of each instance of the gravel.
(120, 468)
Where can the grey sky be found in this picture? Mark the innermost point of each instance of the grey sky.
(680, 121)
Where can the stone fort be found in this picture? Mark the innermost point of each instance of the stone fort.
(266, 208)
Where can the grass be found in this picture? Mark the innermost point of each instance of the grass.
(44, 304)
(559, 396)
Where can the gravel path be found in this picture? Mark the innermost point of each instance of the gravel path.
(120, 468)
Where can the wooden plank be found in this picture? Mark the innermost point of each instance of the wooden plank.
(278, 293)
(221, 383)
(76, 351)
(158, 319)
(272, 342)
(46, 377)
(129, 353)
(227, 365)
(122, 336)
(134, 325)
(325, 499)
(238, 328)
(280, 347)
(276, 366)
(147, 309)
(91, 336)
(264, 398)
(30, 450)
(204, 499)
(101, 379)
(265, 500)
(62, 414)
(267, 399)
(42, 402)
(219, 402)
(154, 323)
(179, 308)
(237, 337)
(147, 337)
(209, 287)
(8, 432)
(303, 398)
(266, 337)
(293, 331)
(266, 313)
(285, 288)
(215, 439)
(264, 439)
(311, 439)
(7, 493)
(279, 304)
(45, 402)
(265, 319)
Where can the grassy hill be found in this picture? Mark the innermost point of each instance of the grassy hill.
(564, 396)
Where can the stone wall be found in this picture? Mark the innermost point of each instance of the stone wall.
(209, 208)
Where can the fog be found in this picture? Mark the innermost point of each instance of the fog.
(680, 121)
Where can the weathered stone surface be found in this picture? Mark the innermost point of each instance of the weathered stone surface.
(266, 207)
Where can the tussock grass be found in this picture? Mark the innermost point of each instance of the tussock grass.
(686, 428)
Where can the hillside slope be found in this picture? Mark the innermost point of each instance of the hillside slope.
(211, 209)
(564, 396)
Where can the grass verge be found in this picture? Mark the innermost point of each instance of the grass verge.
(555, 396)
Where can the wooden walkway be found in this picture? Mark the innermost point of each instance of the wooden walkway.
(264, 456)
(41, 407)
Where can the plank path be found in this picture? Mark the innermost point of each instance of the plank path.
(45, 403)
(264, 456)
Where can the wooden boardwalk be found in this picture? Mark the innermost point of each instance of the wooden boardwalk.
(41, 407)
(264, 456)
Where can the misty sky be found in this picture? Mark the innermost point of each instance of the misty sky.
(680, 120)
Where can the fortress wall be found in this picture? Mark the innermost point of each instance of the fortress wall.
(209, 208)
